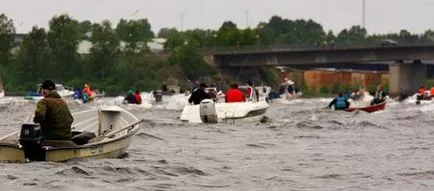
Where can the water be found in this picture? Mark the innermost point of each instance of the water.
(301, 148)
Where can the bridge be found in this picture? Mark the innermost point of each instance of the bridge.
(406, 61)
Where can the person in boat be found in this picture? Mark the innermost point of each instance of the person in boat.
(164, 89)
(87, 90)
(199, 95)
(130, 98)
(158, 95)
(356, 95)
(379, 95)
(53, 114)
(212, 92)
(252, 94)
(420, 93)
(138, 97)
(235, 95)
(196, 86)
(340, 102)
(77, 93)
(431, 92)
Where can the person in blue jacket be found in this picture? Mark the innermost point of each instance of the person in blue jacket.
(340, 102)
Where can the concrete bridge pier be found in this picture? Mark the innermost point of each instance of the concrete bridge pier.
(405, 78)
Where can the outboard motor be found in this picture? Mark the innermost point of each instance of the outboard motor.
(31, 140)
(158, 94)
(207, 111)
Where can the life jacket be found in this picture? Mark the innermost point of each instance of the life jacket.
(341, 103)
(138, 98)
(87, 91)
(422, 91)
(432, 91)
(378, 95)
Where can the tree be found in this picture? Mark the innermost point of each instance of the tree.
(63, 39)
(174, 39)
(355, 34)
(85, 28)
(105, 46)
(407, 37)
(164, 32)
(298, 32)
(190, 62)
(7, 31)
(135, 33)
(228, 35)
(33, 59)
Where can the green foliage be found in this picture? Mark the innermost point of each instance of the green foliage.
(135, 33)
(63, 38)
(33, 58)
(355, 34)
(190, 62)
(7, 29)
(103, 52)
(85, 27)
(270, 76)
(324, 90)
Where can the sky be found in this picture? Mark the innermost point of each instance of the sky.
(382, 16)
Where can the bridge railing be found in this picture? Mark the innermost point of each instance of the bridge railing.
(288, 47)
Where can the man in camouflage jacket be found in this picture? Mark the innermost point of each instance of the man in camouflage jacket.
(53, 114)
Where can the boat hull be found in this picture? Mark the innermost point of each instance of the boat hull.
(369, 109)
(113, 145)
(242, 112)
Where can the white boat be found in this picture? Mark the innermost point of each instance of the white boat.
(97, 133)
(61, 90)
(239, 112)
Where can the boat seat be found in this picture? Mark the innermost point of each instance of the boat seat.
(81, 138)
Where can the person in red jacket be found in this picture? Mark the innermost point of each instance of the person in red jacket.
(235, 95)
(138, 97)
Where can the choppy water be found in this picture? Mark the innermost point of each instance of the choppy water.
(301, 148)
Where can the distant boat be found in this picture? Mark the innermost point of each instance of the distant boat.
(62, 90)
(369, 109)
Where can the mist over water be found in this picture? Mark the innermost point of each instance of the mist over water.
(302, 147)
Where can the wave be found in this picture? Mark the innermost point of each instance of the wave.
(308, 125)
(178, 171)
(421, 175)
(71, 171)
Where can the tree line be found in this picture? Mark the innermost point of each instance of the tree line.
(119, 58)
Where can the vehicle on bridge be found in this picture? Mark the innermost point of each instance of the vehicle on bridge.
(387, 43)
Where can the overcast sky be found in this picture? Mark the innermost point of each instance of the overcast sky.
(382, 15)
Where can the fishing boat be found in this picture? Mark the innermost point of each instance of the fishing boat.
(209, 111)
(62, 90)
(97, 133)
(369, 109)
(288, 90)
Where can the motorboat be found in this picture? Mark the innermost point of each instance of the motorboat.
(209, 111)
(288, 90)
(98, 133)
(61, 90)
(369, 109)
